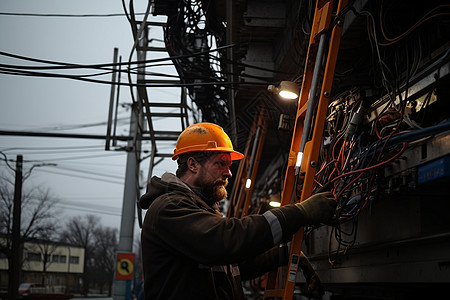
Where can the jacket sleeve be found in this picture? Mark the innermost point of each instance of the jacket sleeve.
(261, 264)
(190, 230)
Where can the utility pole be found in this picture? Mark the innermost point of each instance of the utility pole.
(15, 247)
(122, 288)
(230, 69)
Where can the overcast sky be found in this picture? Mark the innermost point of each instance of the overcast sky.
(87, 179)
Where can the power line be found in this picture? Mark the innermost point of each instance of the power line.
(86, 157)
(78, 198)
(90, 205)
(79, 126)
(161, 136)
(63, 65)
(82, 177)
(81, 78)
(94, 163)
(78, 208)
(53, 148)
(66, 15)
(59, 151)
(104, 66)
(64, 151)
(68, 158)
(84, 171)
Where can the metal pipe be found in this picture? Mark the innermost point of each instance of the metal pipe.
(312, 93)
(254, 148)
(230, 57)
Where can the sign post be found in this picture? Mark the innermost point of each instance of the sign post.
(124, 270)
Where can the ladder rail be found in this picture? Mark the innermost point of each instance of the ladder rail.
(306, 171)
(260, 135)
(241, 196)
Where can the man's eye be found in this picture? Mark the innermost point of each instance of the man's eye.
(222, 164)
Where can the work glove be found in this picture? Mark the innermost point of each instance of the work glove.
(314, 287)
(318, 208)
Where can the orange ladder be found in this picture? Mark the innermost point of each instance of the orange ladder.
(305, 144)
(241, 194)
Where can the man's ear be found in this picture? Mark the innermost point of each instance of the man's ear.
(192, 164)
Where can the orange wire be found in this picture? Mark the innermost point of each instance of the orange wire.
(412, 28)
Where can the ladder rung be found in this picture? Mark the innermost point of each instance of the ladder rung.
(163, 138)
(163, 154)
(163, 135)
(174, 133)
(273, 293)
(156, 49)
(167, 115)
(162, 104)
(151, 23)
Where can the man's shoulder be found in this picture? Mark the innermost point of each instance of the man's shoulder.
(173, 197)
(178, 200)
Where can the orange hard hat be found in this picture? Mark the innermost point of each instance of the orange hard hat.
(205, 137)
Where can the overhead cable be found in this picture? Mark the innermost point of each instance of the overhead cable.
(65, 15)
(96, 66)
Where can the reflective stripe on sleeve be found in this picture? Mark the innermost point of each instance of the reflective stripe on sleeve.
(275, 226)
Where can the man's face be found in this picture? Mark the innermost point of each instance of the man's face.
(213, 176)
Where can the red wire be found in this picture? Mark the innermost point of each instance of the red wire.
(341, 154)
(374, 166)
(365, 170)
(346, 187)
(336, 160)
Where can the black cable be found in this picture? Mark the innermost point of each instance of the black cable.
(65, 15)
(5, 159)
(80, 176)
(74, 77)
(53, 148)
(96, 66)
(109, 70)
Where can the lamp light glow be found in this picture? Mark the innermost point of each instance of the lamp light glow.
(286, 89)
(274, 203)
(288, 95)
(248, 184)
(299, 159)
(274, 200)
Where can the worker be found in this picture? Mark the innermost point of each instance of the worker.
(189, 250)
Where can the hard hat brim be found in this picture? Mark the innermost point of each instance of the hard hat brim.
(235, 155)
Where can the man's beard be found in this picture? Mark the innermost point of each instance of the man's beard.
(215, 190)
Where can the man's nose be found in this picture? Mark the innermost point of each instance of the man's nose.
(227, 173)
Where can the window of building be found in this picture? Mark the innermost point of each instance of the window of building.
(59, 258)
(62, 259)
(74, 260)
(33, 256)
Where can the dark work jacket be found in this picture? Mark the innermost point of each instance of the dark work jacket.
(191, 252)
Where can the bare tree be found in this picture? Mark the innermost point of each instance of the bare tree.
(38, 217)
(80, 231)
(46, 246)
(105, 256)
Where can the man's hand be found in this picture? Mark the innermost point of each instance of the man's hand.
(318, 208)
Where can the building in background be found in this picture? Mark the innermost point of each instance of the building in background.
(52, 264)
